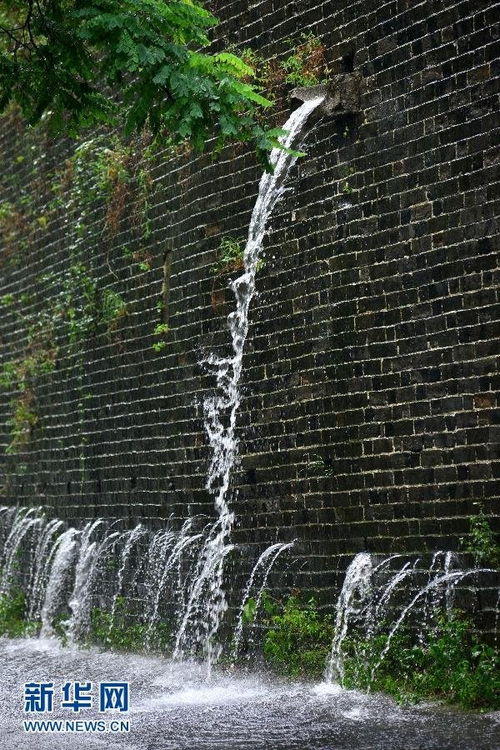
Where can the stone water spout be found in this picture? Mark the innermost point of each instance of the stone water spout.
(341, 95)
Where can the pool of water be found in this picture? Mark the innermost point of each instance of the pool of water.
(173, 706)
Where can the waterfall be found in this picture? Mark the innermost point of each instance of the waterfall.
(220, 411)
(63, 558)
(131, 537)
(379, 610)
(172, 563)
(263, 566)
(158, 549)
(362, 607)
(90, 555)
(42, 561)
(352, 599)
(23, 523)
(437, 581)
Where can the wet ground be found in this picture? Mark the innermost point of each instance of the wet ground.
(173, 707)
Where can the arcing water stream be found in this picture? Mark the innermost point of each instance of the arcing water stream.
(75, 574)
(206, 600)
(364, 603)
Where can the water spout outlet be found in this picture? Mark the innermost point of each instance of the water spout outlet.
(341, 94)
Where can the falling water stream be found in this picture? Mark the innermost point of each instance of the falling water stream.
(207, 601)
(261, 569)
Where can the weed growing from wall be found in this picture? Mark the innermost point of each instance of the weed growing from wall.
(481, 542)
(229, 257)
(317, 466)
(306, 65)
(12, 225)
(96, 180)
(160, 332)
(114, 310)
(301, 63)
(21, 375)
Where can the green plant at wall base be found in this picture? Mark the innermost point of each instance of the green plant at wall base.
(121, 635)
(249, 611)
(59, 626)
(298, 639)
(452, 666)
(481, 542)
(230, 257)
(12, 616)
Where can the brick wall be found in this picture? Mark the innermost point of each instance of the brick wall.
(368, 418)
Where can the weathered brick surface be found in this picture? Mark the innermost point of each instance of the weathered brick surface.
(368, 419)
